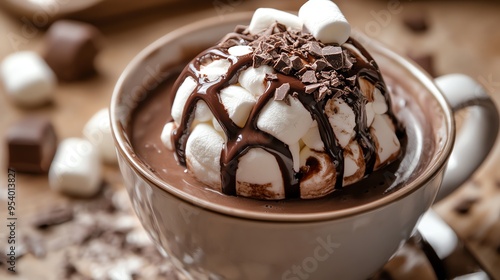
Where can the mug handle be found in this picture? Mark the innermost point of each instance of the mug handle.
(478, 133)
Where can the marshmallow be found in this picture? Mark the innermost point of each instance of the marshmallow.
(379, 104)
(325, 21)
(27, 78)
(203, 151)
(215, 69)
(76, 169)
(239, 50)
(370, 113)
(342, 120)
(386, 141)
(312, 138)
(295, 151)
(320, 178)
(253, 79)
(166, 135)
(288, 123)
(181, 97)
(238, 103)
(265, 17)
(354, 163)
(98, 132)
(258, 167)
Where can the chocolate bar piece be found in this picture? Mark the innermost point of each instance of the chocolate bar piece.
(71, 48)
(32, 143)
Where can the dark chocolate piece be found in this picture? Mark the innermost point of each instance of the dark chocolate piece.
(464, 206)
(32, 143)
(315, 49)
(54, 216)
(309, 77)
(297, 63)
(71, 48)
(426, 61)
(416, 22)
(334, 56)
(312, 88)
(271, 76)
(281, 92)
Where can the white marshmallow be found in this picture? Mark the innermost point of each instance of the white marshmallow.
(288, 123)
(253, 79)
(76, 169)
(370, 113)
(354, 163)
(181, 97)
(166, 135)
(239, 50)
(215, 69)
(379, 104)
(258, 167)
(98, 132)
(27, 78)
(325, 21)
(265, 17)
(386, 140)
(203, 150)
(202, 112)
(322, 179)
(312, 138)
(295, 150)
(238, 103)
(342, 121)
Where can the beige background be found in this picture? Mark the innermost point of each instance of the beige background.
(464, 36)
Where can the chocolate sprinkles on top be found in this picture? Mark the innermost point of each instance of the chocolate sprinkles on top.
(306, 69)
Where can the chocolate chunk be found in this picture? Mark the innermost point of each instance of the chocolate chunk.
(283, 64)
(309, 77)
(464, 206)
(334, 56)
(297, 63)
(323, 91)
(32, 143)
(319, 65)
(71, 48)
(315, 49)
(261, 59)
(54, 216)
(348, 60)
(271, 76)
(351, 80)
(311, 88)
(426, 61)
(281, 92)
(416, 22)
(334, 82)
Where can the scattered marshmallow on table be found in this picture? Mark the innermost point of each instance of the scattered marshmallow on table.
(76, 168)
(27, 79)
(265, 17)
(98, 132)
(325, 21)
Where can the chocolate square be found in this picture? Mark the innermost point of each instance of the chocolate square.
(32, 143)
(71, 48)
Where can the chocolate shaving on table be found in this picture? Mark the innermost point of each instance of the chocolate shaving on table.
(54, 216)
(417, 22)
(464, 206)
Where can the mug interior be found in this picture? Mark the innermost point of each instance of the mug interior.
(416, 100)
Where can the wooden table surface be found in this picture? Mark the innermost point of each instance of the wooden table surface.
(464, 36)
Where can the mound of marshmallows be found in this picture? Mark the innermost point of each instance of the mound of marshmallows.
(290, 123)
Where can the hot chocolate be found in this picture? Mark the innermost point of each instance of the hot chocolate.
(149, 117)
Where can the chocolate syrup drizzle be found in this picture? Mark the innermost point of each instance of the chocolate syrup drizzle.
(241, 139)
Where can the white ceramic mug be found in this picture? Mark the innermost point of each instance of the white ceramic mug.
(209, 240)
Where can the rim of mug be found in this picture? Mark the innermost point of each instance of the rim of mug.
(124, 147)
